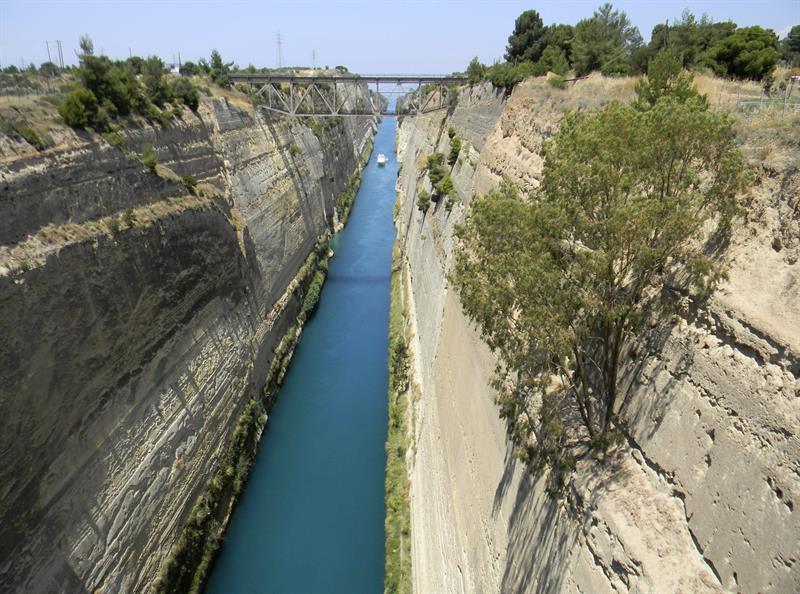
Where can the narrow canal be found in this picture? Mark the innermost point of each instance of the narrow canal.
(310, 519)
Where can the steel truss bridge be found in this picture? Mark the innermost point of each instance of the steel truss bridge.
(333, 96)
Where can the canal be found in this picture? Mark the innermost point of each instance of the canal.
(310, 519)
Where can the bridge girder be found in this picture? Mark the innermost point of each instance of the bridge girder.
(334, 96)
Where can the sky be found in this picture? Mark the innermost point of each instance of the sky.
(381, 36)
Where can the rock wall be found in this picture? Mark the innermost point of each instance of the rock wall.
(702, 497)
(137, 319)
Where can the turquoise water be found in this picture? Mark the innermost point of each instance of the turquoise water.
(310, 519)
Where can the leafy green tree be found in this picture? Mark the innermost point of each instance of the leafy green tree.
(184, 91)
(507, 76)
(189, 69)
(423, 201)
(750, 52)
(155, 82)
(790, 47)
(605, 42)
(563, 282)
(690, 39)
(559, 37)
(48, 69)
(525, 43)
(136, 64)
(455, 149)
(475, 71)
(79, 108)
(553, 60)
(665, 77)
(109, 83)
(86, 45)
(219, 70)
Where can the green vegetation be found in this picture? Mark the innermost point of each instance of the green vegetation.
(558, 82)
(190, 183)
(665, 77)
(751, 52)
(423, 201)
(149, 158)
(186, 567)
(790, 47)
(397, 579)
(439, 175)
(565, 283)
(455, 149)
(106, 90)
(344, 203)
(295, 150)
(608, 42)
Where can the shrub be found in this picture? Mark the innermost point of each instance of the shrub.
(149, 158)
(295, 150)
(191, 184)
(79, 109)
(32, 137)
(177, 111)
(184, 91)
(158, 91)
(423, 201)
(558, 82)
(114, 139)
(455, 149)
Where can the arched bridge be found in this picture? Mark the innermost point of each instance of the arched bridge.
(336, 95)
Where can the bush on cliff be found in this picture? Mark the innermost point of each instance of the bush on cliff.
(565, 281)
(79, 109)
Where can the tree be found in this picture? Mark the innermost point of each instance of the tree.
(790, 47)
(750, 52)
(559, 37)
(79, 109)
(605, 42)
(189, 69)
(48, 69)
(475, 71)
(184, 91)
(563, 282)
(219, 70)
(665, 77)
(158, 91)
(552, 60)
(423, 201)
(86, 44)
(525, 43)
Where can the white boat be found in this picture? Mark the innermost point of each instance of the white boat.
(382, 159)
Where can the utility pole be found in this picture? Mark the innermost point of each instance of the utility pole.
(47, 43)
(314, 59)
(280, 52)
(60, 54)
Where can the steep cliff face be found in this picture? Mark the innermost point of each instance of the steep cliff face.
(138, 315)
(702, 497)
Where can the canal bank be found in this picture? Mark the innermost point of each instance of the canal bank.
(311, 516)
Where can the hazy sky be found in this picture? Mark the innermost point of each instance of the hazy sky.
(369, 37)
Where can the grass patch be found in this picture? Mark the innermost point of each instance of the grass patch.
(397, 579)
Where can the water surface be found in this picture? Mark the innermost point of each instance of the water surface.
(310, 519)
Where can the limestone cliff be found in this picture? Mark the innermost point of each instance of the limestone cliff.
(702, 497)
(138, 314)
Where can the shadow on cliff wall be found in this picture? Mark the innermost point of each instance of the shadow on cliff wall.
(541, 535)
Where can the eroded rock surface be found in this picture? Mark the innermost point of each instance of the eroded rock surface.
(137, 322)
(702, 497)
